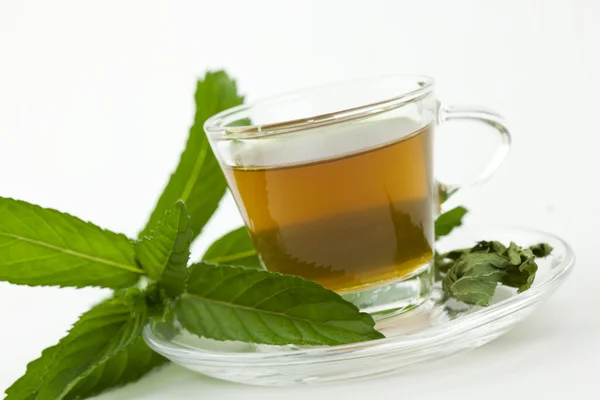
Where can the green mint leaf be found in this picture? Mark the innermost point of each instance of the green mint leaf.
(445, 192)
(234, 248)
(514, 254)
(198, 180)
(489, 247)
(26, 387)
(522, 267)
(40, 246)
(474, 277)
(469, 273)
(165, 254)
(236, 303)
(127, 366)
(445, 261)
(541, 250)
(449, 220)
(522, 275)
(99, 335)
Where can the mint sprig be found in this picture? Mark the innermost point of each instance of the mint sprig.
(45, 247)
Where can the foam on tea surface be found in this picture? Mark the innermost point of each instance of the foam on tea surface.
(317, 144)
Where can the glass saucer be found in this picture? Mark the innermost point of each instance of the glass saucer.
(433, 330)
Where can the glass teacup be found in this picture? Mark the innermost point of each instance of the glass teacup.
(335, 184)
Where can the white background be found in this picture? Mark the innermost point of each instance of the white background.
(96, 102)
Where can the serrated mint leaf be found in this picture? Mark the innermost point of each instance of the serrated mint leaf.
(127, 366)
(474, 277)
(41, 246)
(234, 248)
(198, 180)
(165, 254)
(520, 276)
(26, 387)
(235, 303)
(100, 334)
(541, 250)
(446, 222)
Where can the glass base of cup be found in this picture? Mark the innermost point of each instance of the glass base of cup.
(395, 297)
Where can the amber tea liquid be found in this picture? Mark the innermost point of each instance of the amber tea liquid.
(347, 222)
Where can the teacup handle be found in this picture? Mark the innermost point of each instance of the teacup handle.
(490, 118)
